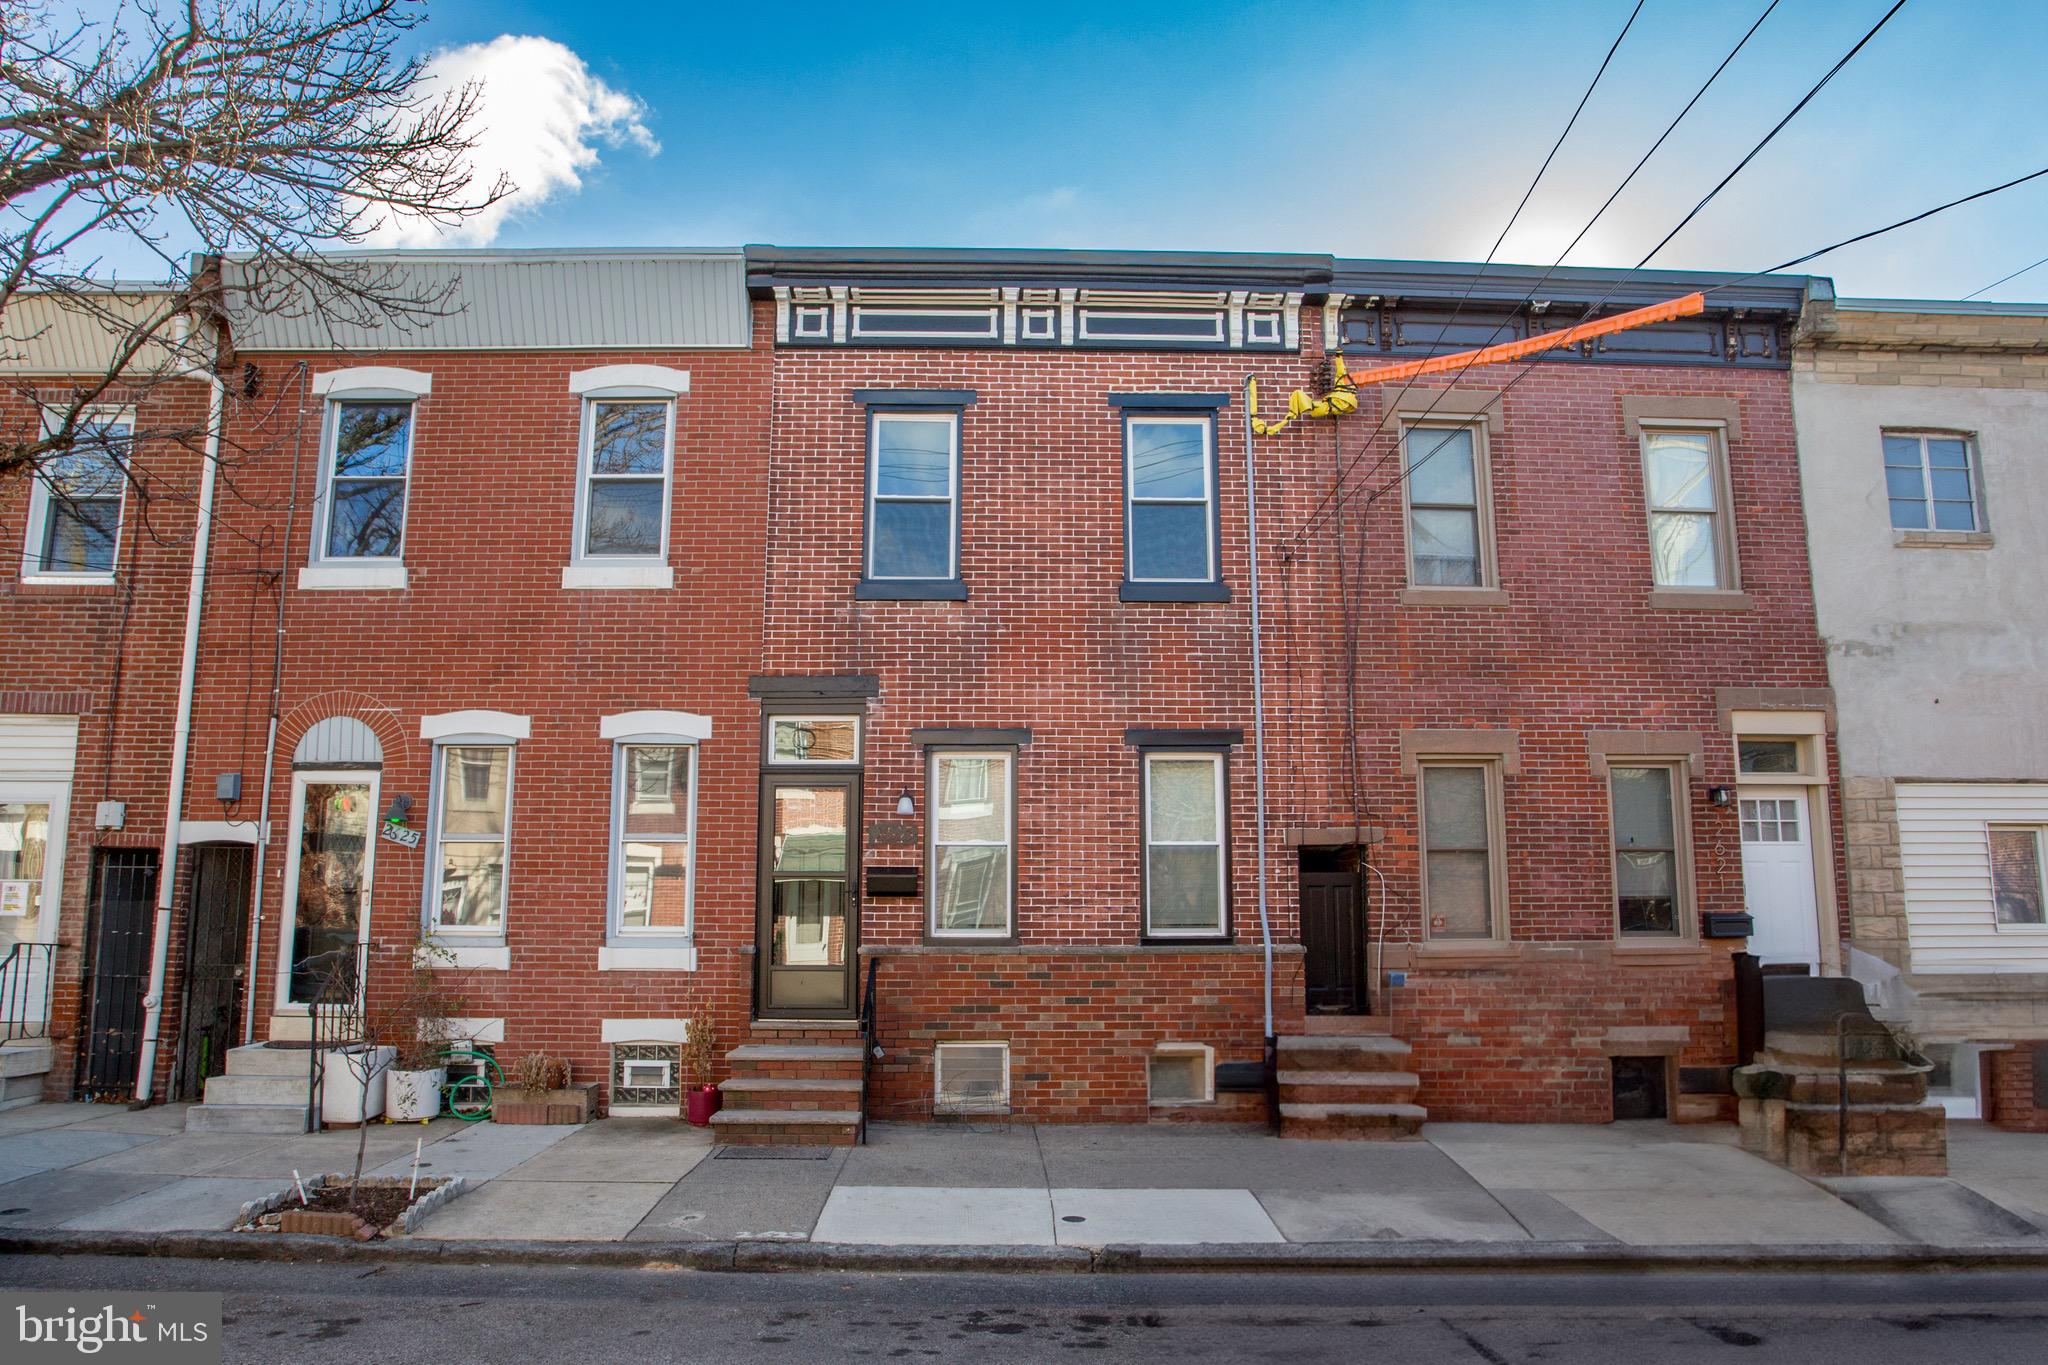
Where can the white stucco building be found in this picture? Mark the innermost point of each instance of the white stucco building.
(1923, 435)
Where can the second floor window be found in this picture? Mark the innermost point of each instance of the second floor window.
(75, 504)
(914, 495)
(1170, 476)
(625, 479)
(367, 475)
(1446, 527)
(1688, 501)
(1930, 482)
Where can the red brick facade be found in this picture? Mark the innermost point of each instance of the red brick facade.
(2013, 1102)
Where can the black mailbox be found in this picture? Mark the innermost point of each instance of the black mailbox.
(892, 881)
(1727, 924)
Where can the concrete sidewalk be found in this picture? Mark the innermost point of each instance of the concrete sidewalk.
(84, 1168)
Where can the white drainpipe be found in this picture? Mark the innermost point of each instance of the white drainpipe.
(181, 745)
(1251, 505)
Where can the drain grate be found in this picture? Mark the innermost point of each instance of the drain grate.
(771, 1153)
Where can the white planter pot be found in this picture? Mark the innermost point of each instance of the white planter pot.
(344, 1098)
(414, 1095)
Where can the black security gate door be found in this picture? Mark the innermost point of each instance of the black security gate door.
(214, 945)
(123, 907)
(1332, 932)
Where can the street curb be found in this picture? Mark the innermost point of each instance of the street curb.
(1240, 1258)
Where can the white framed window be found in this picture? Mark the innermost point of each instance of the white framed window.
(1181, 1073)
(469, 835)
(971, 1078)
(971, 842)
(654, 819)
(799, 741)
(1685, 485)
(1444, 484)
(1930, 481)
(913, 495)
(1652, 870)
(76, 500)
(813, 322)
(366, 469)
(2017, 893)
(1170, 499)
(628, 456)
(1461, 867)
(1186, 895)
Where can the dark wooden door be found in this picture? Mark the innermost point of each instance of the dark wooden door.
(216, 916)
(123, 914)
(1333, 940)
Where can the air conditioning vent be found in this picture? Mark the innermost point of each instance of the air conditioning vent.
(973, 1078)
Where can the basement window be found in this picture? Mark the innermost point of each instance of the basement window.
(1182, 1073)
(644, 1076)
(971, 1078)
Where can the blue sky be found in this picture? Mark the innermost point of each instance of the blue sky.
(1367, 129)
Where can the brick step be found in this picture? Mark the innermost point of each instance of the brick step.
(771, 1031)
(792, 1127)
(775, 1092)
(1346, 1025)
(796, 1061)
(1348, 1087)
(1353, 1122)
(1343, 1052)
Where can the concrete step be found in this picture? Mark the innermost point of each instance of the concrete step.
(794, 1127)
(1346, 1025)
(232, 1089)
(26, 1058)
(1347, 1087)
(258, 1060)
(774, 1092)
(246, 1118)
(1355, 1122)
(1343, 1052)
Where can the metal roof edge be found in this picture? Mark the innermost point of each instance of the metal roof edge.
(1982, 308)
(1504, 282)
(768, 265)
(520, 255)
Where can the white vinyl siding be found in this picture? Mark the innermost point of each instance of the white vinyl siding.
(1945, 851)
(37, 748)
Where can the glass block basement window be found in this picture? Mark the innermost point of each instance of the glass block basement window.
(646, 1074)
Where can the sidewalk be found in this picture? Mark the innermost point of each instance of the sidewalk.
(84, 1168)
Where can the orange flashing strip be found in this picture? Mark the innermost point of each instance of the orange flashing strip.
(1685, 307)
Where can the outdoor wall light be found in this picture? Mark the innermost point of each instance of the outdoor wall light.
(401, 807)
(1721, 796)
(904, 805)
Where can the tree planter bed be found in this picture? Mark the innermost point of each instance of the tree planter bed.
(571, 1104)
(384, 1210)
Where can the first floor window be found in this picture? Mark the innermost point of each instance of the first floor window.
(1458, 801)
(2016, 875)
(370, 454)
(626, 474)
(469, 826)
(1184, 885)
(1647, 874)
(653, 829)
(971, 840)
(1688, 509)
(75, 508)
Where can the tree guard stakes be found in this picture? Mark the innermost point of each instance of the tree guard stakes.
(1342, 399)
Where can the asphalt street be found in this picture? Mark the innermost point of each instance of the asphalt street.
(455, 1314)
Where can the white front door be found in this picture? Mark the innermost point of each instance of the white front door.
(1777, 875)
(328, 865)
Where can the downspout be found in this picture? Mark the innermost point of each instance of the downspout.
(1251, 503)
(181, 742)
(291, 516)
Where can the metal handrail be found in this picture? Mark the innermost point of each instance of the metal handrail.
(868, 1049)
(21, 989)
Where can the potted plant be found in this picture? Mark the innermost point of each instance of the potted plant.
(545, 1094)
(701, 1099)
(413, 1087)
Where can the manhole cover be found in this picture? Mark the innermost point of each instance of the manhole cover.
(1072, 1218)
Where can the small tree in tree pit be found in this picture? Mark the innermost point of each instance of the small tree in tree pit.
(175, 133)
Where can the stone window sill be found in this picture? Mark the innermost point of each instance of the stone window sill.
(617, 957)
(1943, 540)
(1466, 952)
(351, 577)
(1699, 599)
(85, 584)
(479, 957)
(1454, 597)
(656, 576)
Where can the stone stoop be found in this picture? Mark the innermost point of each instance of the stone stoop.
(1349, 1085)
(262, 1091)
(24, 1065)
(1790, 1113)
(794, 1083)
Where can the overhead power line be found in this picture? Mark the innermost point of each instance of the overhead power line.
(2004, 279)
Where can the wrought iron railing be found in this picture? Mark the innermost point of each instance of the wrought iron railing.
(26, 974)
(868, 1046)
(334, 1015)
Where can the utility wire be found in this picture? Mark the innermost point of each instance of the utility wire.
(2015, 275)
(1389, 410)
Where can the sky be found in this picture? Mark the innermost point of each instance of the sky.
(1374, 128)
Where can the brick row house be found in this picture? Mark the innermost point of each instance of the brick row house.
(858, 645)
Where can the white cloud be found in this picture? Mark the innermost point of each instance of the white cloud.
(540, 117)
